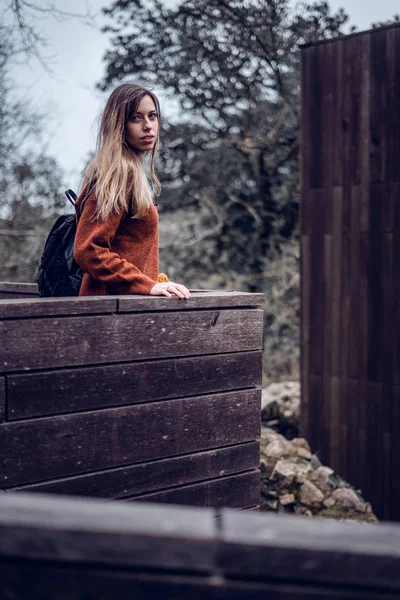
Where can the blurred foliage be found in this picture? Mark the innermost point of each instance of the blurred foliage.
(30, 179)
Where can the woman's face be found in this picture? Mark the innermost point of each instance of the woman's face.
(142, 129)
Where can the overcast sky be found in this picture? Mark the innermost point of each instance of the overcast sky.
(76, 52)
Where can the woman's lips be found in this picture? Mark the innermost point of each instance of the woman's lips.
(147, 138)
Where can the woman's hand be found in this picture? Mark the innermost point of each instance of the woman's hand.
(169, 288)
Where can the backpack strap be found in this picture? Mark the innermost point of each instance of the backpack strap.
(72, 197)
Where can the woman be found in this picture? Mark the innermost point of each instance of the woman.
(116, 243)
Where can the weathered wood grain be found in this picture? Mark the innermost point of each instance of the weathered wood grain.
(48, 307)
(2, 399)
(351, 318)
(315, 123)
(197, 300)
(236, 491)
(103, 549)
(62, 391)
(106, 533)
(156, 475)
(45, 307)
(116, 338)
(12, 289)
(324, 551)
(45, 581)
(55, 447)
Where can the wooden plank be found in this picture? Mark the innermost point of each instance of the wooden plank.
(396, 306)
(42, 580)
(305, 144)
(305, 291)
(317, 282)
(365, 131)
(236, 491)
(345, 326)
(336, 280)
(294, 548)
(55, 447)
(106, 533)
(315, 390)
(374, 447)
(114, 338)
(62, 391)
(156, 475)
(394, 482)
(390, 109)
(325, 399)
(336, 88)
(354, 285)
(352, 442)
(2, 399)
(347, 126)
(197, 300)
(387, 367)
(379, 77)
(396, 205)
(395, 116)
(315, 123)
(355, 148)
(375, 286)
(14, 287)
(334, 423)
(46, 307)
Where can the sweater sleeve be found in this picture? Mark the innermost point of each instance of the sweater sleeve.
(92, 252)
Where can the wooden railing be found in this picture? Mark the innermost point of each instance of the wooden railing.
(132, 397)
(69, 549)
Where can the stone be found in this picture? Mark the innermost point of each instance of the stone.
(329, 502)
(303, 453)
(284, 471)
(310, 495)
(303, 470)
(301, 443)
(277, 449)
(348, 499)
(315, 462)
(287, 499)
(321, 478)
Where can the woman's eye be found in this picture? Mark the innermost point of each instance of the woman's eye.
(135, 118)
(153, 116)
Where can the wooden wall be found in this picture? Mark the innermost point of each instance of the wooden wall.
(350, 246)
(70, 549)
(133, 397)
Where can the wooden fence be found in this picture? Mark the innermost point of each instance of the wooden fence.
(350, 247)
(132, 397)
(70, 549)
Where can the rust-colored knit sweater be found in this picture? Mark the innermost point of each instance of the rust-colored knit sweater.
(118, 255)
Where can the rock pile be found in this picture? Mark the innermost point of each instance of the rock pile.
(294, 480)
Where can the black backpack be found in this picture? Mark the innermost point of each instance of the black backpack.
(59, 274)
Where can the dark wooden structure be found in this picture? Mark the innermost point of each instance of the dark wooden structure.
(350, 248)
(17, 290)
(70, 549)
(132, 397)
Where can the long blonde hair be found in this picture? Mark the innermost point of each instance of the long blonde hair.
(117, 169)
